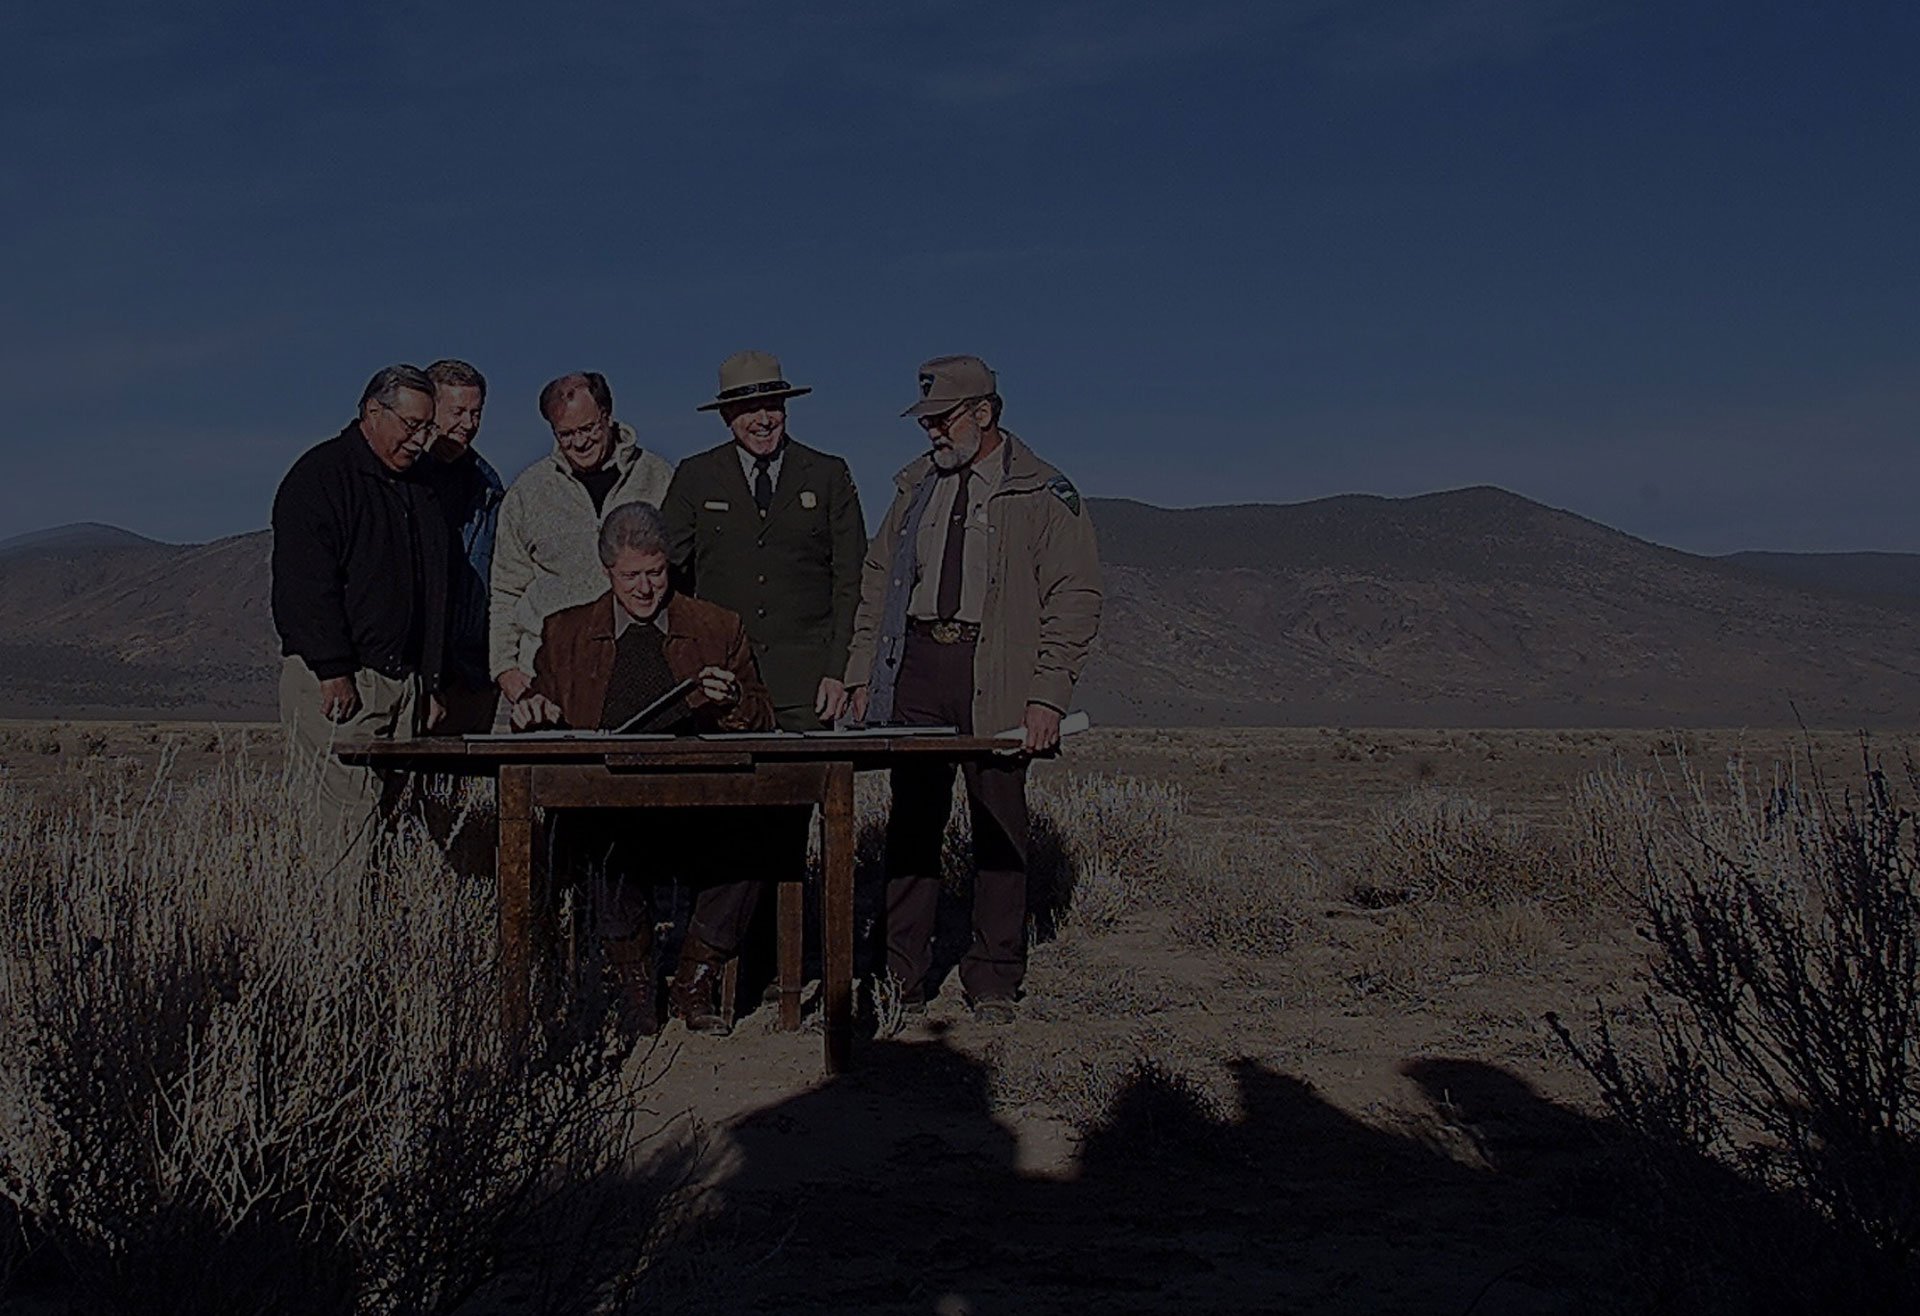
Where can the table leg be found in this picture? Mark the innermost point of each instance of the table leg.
(513, 875)
(836, 916)
(792, 934)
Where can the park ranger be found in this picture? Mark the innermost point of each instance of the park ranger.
(979, 600)
(769, 528)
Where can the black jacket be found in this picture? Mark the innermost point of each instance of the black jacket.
(361, 560)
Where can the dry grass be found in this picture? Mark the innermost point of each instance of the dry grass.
(1243, 894)
(1442, 845)
(1785, 1022)
(232, 1083)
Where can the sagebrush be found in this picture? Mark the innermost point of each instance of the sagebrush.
(233, 1083)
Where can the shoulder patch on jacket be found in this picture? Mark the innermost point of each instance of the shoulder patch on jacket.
(1062, 488)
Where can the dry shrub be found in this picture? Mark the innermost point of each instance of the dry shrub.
(1242, 894)
(233, 1084)
(1520, 937)
(1101, 847)
(1784, 1062)
(1405, 957)
(1442, 845)
(1108, 1087)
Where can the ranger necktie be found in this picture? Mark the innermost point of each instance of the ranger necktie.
(762, 484)
(952, 559)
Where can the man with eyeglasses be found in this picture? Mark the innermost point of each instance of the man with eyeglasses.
(979, 601)
(546, 553)
(361, 566)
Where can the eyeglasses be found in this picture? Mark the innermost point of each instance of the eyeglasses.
(585, 431)
(945, 418)
(414, 427)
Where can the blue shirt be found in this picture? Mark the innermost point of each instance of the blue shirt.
(470, 492)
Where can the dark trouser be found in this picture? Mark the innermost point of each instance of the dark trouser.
(780, 835)
(470, 709)
(624, 852)
(936, 689)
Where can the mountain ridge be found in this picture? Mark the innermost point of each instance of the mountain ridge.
(1470, 606)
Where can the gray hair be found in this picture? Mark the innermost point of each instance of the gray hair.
(632, 525)
(457, 374)
(387, 384)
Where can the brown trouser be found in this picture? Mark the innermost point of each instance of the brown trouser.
(625, 851)
(936, 689)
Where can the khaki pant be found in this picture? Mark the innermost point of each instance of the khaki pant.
(345, 800)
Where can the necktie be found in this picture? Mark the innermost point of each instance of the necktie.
(640, 676)
(762, 484)
(953, 558)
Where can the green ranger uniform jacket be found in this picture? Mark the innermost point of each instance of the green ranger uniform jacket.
(793, 575)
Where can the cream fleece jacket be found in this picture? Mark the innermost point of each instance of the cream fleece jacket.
(546, 552)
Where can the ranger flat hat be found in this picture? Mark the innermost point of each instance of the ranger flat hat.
(947, 381)
(751, 377)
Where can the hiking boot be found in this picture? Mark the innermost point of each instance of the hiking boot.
(696, 988)
(995, 1012)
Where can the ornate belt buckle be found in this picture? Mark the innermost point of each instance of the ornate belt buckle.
(948, 632)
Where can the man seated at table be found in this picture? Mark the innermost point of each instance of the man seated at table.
(599, 667)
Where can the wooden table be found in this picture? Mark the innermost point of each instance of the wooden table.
(588, 771)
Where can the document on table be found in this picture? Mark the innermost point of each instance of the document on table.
(563, 733)
(862, 733)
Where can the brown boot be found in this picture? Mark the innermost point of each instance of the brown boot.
(630, 967)
(696, 988)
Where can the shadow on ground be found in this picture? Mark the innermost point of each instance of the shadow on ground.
(898, 1189)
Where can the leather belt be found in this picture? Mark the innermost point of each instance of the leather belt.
(945, 632)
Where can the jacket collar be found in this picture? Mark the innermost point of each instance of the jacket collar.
(1022, 473)
(603, 619)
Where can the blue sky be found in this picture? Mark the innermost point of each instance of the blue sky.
(1653, 262)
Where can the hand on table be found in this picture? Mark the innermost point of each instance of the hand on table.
(857, 705)
(533, 712)
(830, 701)
(339, 699)
(514, 684)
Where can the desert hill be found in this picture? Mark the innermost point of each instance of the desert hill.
(1474, 606)
(1884, 576)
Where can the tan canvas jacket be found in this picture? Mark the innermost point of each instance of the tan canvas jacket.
(546, 551)
(1043, 590)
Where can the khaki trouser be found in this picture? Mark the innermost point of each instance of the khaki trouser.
(345, 799)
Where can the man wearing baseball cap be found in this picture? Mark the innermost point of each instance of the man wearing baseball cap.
(979, 601)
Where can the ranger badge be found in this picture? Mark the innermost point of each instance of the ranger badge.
(1062, 488)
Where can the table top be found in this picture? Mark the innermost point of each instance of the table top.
(480, 752)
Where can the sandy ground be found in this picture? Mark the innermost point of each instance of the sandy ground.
(1374, 1119)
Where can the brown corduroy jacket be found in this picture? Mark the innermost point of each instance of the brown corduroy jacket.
(575, 662)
